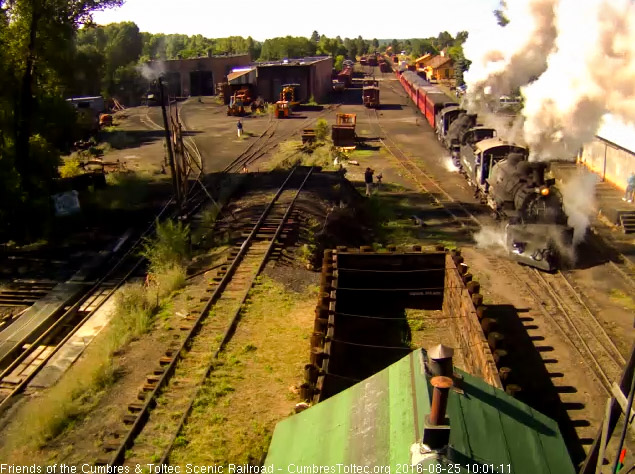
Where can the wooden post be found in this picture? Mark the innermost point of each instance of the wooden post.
(168, 143)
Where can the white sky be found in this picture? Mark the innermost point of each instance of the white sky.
(262, 19)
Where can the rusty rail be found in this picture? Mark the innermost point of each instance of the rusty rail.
(173, 354)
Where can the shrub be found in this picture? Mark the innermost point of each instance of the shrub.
(169, 248)
(71, 167)
(321, 129)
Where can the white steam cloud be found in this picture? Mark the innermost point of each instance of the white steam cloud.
(151, 71)
(520, 53)
(578, 200)
(592, 73)
(493, 238)
(574, 61)
(448, 164)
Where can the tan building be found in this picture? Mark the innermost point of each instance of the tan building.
(197, 76)
(440, 67)
(421, 62)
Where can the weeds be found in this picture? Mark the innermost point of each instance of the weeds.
(169, 248)
(135, 310)
(321, 129)
(71, 167)
(621, 298)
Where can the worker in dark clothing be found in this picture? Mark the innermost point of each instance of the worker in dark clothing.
(368, 179)
(630, 188)
(239, 128)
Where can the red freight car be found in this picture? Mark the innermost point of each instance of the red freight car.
(370, 93)
(346, 76)
(428, 98)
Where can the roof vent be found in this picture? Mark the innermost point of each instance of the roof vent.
(440, 361)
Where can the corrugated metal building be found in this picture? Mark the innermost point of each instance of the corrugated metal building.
(197, 76)
(378, 424)
(612, 162)
(313, 74)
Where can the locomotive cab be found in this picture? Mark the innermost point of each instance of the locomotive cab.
(478, 159)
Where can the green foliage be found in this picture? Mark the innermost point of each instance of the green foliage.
(339, 60)
(501, 19)
(321, 129)
(170, 246)
(71, 167)
(287, 47)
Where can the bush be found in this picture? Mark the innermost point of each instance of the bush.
(169, 248)
(71, 167)
(321, 129)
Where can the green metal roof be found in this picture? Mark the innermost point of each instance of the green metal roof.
(377, 422)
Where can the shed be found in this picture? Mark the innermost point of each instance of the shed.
(379, 422)
(440, 68)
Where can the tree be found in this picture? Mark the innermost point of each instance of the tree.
(501, 19)
(42, 28)
(375, 43)
(315, 37)
(444, 40)
(461, 37)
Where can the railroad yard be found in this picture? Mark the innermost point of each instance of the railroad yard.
(228, 352)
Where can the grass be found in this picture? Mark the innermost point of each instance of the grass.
(622, 299)
(42, 419)
(125, 191)
(250, 389)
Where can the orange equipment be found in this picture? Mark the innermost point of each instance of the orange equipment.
(282, 109)
(105, 120)
(343, 132)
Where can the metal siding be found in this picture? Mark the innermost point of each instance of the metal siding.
(620, 163)
(373, 422)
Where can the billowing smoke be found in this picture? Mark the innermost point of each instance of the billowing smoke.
(592, 73)
(578, 199)
(493, 238)
(512, 56)
(448, 164)
(574, 61)
(151, 71)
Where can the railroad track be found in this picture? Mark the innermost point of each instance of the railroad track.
(581, 328)
(438, 197)
(554, 295)
(37, 350)
(172, 388)
(35, 354)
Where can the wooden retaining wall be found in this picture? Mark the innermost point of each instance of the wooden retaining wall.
(463, 303)
(479, 343)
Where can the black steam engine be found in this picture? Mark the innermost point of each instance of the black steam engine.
(515, 189)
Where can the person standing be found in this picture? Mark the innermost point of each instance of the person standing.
(630, 188)
(239, 128)
(368, 179)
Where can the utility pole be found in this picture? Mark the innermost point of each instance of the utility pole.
(168, 143)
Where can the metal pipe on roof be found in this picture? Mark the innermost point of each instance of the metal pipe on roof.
(440, 393)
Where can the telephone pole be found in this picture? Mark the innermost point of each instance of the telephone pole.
(168, 143)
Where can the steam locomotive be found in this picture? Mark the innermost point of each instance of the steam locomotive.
(513, 187)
